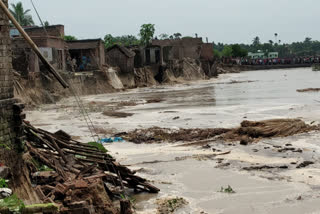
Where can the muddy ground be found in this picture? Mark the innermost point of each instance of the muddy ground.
(272, 175)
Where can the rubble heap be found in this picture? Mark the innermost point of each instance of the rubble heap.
(81, 177)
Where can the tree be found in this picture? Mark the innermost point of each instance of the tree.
(237, 51)
(276, 37)
(70, 38)
(109, 40)
(146, 33)
(256, 41)
(22, 16)
(46, 24)
(216, 53)
(307, 40)
(164, 36)
(227, 51)
(177, 35)
(125, 40)
(270, 42)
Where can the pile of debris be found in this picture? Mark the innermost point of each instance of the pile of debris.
(308, 90)
(77, 176)
(249, 131)
(158, 135)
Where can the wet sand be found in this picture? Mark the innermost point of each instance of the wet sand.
(196, 173)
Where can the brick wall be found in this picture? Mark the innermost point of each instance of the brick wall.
(9, 124)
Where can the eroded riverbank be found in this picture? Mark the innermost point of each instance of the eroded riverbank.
(264, 175)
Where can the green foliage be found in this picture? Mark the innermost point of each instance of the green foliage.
(238, 51)
(4, 146)
(163, 36)
(146, 33)
(227, 190)
(45, 168)
(3, 183)
(177, 35)
(227, 51)
(166, 36)
(40, 167)
(125, 40)
(70, 38)
(99, 146)
(46, 24)
(13, 203)
(50, 206)
(256, 41)
(174, 204)
(216, 53)
(308, 47)
(22, 16)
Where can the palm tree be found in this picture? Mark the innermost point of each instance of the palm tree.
(21, 15)
(270, 42)
(256, 41)
(276, 37)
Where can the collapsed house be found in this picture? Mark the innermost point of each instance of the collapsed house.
(89, 54)
(51, 44)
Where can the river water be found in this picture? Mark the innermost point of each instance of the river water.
(222, 102)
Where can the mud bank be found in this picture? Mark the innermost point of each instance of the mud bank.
(42, 88)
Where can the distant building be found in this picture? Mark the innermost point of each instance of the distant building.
(121, 57)
(262, 55)
(273, 55)
(89, 54)
(259, 55)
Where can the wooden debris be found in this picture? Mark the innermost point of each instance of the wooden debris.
(76, 167)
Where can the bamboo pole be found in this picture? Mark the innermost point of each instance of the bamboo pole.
(33, 45)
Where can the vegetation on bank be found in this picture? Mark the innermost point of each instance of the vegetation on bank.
(308, 47)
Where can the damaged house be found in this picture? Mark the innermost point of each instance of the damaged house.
(178, 49)
(164, 53)
(51, 44)
(88, 55)
(122, 57)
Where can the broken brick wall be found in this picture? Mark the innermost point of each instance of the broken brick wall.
(11, 116)
(7, 133)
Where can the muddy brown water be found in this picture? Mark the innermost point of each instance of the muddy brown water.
(258, 95)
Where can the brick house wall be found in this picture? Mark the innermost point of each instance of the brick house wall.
(9, 123)
(26, 61)
(116, 58)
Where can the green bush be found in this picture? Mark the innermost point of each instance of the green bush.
(99, 146)
(13, 203)
(3, 183)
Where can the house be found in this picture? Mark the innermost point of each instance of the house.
(258, 55)
(120, 56)
(51, 44)
(89, 54)
(273, 55)
(262, 55)
(187, 47)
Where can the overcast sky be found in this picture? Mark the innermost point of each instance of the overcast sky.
(227, 21)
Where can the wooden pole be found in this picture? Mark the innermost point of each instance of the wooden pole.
(33, 45)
